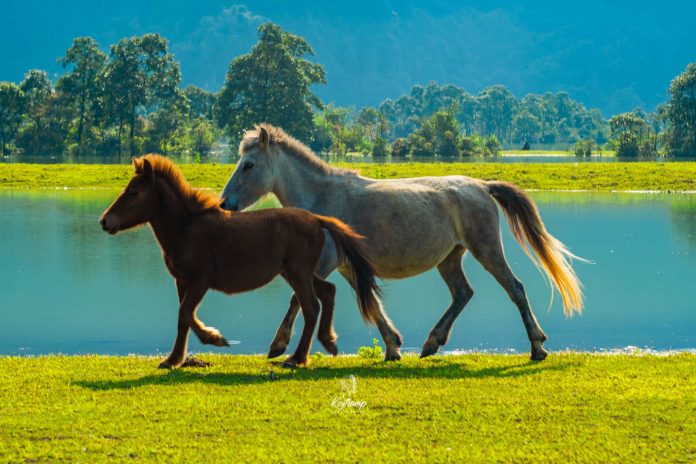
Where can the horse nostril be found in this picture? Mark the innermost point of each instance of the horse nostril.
(102, 221)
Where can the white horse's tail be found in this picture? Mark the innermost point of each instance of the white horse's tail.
(529, 231)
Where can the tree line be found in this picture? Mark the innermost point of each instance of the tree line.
(130, 101)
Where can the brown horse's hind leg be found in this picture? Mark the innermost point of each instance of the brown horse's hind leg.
(327, 263)
(490, 254)
(451, 271)
(326, 291)
(304, 289)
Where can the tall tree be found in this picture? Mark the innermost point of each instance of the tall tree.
(200, 102)
(497, 104)
(141, 75)
(81, 85)
(11, 109)
(681, 113)
(271, 84)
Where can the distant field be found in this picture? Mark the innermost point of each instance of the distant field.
(675, 176)
(469, 408)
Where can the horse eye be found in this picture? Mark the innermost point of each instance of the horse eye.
(133, 191)
(248, 165)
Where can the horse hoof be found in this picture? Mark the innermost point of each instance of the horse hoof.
(195, 362)
(394, 355)
(332, 349)
(165, 365)
(429, 348)
(275, 351)
(293, 363)
(539, 354)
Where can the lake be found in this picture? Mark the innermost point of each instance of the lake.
(67, 287)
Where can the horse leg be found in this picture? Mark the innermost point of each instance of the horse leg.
(187, 311)
(490, 254)
(176, 357)
(326, 291)
(451, 271)
(302, 285)
(327, 264)
(391, 336)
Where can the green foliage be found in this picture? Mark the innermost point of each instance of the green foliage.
(584, 148)
(399, 148)
(573, 407)
(681, 113)
(141, 74)
(82, 87)
(271, 84)
(631, 135)
(11, 110)
(201, 102)
(371, 352)
(548, 119)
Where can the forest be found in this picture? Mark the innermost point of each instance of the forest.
(130, 101)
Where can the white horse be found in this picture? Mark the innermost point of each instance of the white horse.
(411, 226)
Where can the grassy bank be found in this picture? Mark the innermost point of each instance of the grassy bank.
(677, 176)
(472, 408)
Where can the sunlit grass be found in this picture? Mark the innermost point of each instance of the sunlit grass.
(470, 408)
(673, 176)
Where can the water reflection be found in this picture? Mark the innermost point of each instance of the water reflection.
(69, 287)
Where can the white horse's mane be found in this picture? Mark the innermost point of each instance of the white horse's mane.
(291, 146)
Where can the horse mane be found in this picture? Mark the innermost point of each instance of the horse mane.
(195, 200)
(290, 145)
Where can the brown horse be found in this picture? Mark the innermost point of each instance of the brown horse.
(206, 247)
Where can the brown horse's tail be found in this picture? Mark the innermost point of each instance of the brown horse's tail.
(351, 250)
(529, 231)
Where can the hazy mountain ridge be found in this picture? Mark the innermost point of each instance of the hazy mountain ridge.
(612, 57)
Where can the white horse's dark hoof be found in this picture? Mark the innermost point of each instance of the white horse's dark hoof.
(539, 354)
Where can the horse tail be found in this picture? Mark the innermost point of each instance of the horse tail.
(351, 250)
(529, 231)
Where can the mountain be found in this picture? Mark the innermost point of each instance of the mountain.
(612, 55)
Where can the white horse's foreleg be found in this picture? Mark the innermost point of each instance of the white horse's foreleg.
(451, 271)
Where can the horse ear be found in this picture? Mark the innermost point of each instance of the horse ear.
(263, 138)
(147, 167)
(137, 166)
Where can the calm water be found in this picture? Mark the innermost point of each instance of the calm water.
(68, 287)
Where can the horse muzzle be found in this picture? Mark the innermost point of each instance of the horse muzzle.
(108, 226)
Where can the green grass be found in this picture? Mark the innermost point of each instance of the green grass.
(676, 176)
(470, 408)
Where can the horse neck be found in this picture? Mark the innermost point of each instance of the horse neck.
(171, 219)
(301, 185)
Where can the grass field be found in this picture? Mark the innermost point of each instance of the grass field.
(469, 408)
(676, 176)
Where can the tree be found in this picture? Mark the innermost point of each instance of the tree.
(497, 104)
(526, 126)
(681, 113)
(41, 132)
(81, 85)
(141, 75)
(439, 135)
(628, 131)
(271, 84)
(11, 110)
(200, 102)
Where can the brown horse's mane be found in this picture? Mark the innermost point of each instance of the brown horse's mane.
(195, 200)
(292, 146)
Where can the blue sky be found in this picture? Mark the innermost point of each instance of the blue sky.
(612, 55)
